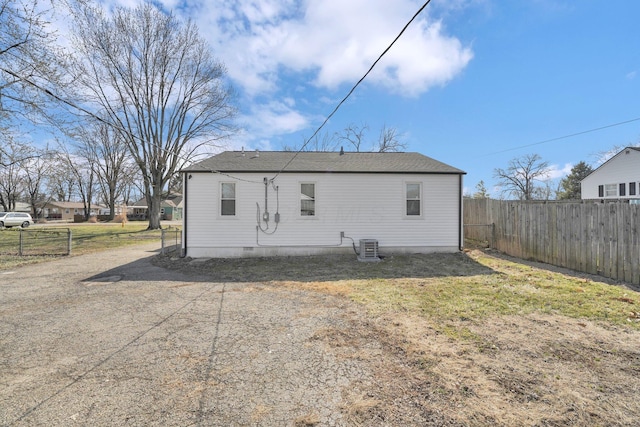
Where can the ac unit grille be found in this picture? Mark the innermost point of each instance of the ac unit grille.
(368, 250)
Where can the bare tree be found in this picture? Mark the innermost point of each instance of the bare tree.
(36, 170)
(324, 142)
(107, 153)
(29, 64)
(354, 135)
(389, 141)
(158, 84)
(83, 173)
(520, 177)
(12, 174)
(61, 183)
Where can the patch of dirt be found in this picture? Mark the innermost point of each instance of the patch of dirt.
(528, 370)
(535, 370)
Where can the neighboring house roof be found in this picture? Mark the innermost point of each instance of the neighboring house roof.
(170, 200)
(71, 205)
(349, 162)
(142, 203)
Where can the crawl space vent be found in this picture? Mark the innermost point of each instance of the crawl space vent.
(368, 250)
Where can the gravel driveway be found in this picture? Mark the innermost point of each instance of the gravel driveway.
(110, 339)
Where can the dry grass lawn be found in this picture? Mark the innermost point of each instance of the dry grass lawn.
(470, 339)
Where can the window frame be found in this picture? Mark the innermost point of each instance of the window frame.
(406, 200)
(223, 199)
(632, 189)
(315, 199)
(611, 190)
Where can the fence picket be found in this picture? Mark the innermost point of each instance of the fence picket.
(595, 238)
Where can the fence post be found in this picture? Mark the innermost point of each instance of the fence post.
(69, 241)
(20, 244)
(162, 236)
(493, 235)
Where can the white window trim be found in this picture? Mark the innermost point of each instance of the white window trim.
(235, 214)
(404, 200)
(315, 199)
(615, 190)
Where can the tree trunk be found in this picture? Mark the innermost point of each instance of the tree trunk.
(154, 200)
(112, 203)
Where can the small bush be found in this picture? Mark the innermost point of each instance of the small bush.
(93, 219)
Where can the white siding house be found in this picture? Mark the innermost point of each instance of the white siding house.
(617, 178)
(240, 204)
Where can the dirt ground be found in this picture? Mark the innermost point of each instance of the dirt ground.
(531, 370)
(127, 337)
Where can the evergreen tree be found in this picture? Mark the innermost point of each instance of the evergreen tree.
(570, 185)
(481, 191)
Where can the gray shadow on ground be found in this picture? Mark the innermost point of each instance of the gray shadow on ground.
(300, 268)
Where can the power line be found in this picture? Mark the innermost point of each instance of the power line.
(352, 89)
(104, 121)
(563, 137)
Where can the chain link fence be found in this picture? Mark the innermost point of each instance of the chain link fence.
(58, 241)
(23, 242)
(171, 240)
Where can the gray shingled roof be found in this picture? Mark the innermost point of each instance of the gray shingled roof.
(274, 161)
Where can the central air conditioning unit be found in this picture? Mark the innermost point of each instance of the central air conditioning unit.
(368, 250)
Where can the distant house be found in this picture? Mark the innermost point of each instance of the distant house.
(170, 208)
(617, 178)
(65, 211)
(280, 203)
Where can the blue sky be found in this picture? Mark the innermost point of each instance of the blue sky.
(470, 83)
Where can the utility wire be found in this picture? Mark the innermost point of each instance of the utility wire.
(352, 89)
(104, 121)
(563, 137)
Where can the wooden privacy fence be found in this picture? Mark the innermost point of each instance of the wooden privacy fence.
(595, 238)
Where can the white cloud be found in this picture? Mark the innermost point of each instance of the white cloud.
(276, 47)
(557, 171)
(334, 40)
(274, 118)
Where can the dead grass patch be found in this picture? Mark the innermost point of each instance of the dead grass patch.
(308, 420)
(471, 339)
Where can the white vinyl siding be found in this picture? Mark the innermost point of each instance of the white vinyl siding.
(362, 206)
(623, 168)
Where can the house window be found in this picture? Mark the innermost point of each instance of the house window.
(228, 199)
(632, 188)
(413, 198)
(600, 190)
(307, 199)
(623, 188)
(610, 190)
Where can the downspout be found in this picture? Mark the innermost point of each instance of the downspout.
(184, 215)
(460, 215)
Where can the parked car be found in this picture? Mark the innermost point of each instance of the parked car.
(16, 219)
